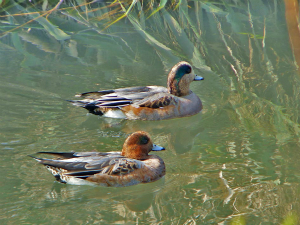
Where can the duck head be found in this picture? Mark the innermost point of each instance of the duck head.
(138, 145)
(180, 77)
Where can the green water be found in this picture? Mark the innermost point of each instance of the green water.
(235, 163)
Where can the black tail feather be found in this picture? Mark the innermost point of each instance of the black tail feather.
(91, 107)
(83, 173)
(65, 155)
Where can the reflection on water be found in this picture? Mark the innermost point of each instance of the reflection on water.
(163, 130)
(235, 161)
(137, 199)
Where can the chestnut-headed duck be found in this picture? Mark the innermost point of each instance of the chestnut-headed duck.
(148, 102)
(115, 169)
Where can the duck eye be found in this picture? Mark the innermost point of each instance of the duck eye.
(188, 69)
(144, 140)
(184, 69)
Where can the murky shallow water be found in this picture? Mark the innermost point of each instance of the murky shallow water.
(236, 161)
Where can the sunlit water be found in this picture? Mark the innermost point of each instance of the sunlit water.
(237, 161)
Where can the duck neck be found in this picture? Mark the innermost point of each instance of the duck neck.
(134, 154)
(178, 87)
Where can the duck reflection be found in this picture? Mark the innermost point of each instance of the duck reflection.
(137, 198)
(179, 134)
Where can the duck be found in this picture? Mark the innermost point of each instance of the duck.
(111, 169)
(147, 102)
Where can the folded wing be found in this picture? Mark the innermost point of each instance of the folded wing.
(84, 165)
(149, 96)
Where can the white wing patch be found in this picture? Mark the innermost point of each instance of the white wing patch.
(115, 114)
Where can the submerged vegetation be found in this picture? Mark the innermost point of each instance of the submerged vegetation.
(232, 42)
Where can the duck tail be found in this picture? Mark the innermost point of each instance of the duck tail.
(36, 158)
(63, 155)
(91, 107)
(78, 103)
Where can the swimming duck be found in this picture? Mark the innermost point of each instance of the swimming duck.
(116, 169)
(149, 102)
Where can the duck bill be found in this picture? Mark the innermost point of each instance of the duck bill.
(198, 78)
(157, 148)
